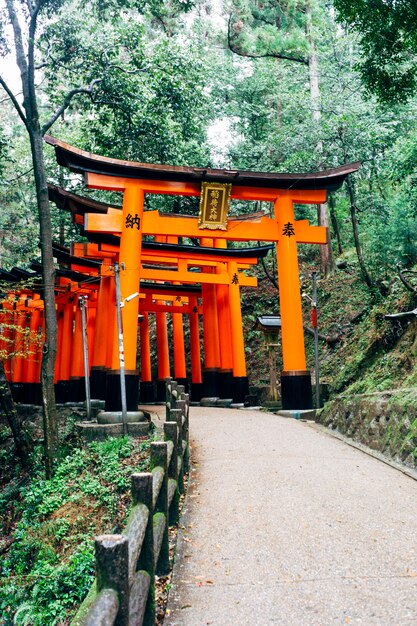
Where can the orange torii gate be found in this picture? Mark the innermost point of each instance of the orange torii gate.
(135, 180)
(154, 298)
(178, 257)
(222, 361)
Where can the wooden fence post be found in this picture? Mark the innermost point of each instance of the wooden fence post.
(186, 436)
(112, 567)
(142, 494)
(171, 434)
(176, 415)
(171, 398)
(159, 459)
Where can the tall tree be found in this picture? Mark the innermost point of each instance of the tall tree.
(285, 31)
(46, 35)
(388, 37)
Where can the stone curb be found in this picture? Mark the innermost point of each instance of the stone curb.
(362, 448)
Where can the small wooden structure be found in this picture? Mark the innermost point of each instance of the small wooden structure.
(270, 325)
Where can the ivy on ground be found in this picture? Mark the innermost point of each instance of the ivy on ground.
(49, 566)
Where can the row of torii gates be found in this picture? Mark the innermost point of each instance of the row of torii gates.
(159, 275)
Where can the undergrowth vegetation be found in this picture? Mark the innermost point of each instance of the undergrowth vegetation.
(48, 564)
(360, 350)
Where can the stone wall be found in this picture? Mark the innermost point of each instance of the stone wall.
(385, 421)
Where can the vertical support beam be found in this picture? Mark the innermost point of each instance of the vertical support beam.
(130, 263)
(77, 364)
(63, 384)
(163, 355)
(86, 348)
(91, 312)
(35, 320)
(19, 356)
(210, 336)
(41, 335)
(103, 323)
(180, 372)
(295, 379)
(111, 307)
(225, 332)
(60, 321)
(147, 393)
(240, 379)
(196, 378)
(7, 331)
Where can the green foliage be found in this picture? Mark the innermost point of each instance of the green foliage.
(156, 113)
(389, 42)
(275, 29)
(50, 565)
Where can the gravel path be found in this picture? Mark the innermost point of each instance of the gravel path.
(286, 525)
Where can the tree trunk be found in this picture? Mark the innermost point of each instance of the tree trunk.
(30, 117)
(21, 440)
(48, 277)
(353, 210)
(326, 252)
(335, 224)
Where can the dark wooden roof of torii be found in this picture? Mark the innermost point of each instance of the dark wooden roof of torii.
(81, 161)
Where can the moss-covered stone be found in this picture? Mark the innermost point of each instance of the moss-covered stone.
(385, 421)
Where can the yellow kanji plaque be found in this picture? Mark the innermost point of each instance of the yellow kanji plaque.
(214, 205)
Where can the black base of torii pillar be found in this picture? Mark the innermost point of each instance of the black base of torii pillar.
(113, 392)
(296, 393)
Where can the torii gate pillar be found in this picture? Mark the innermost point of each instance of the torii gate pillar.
(295, 378)
(130, 251)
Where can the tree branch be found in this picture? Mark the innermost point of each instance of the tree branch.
(405, 282)
(47, 56)
(67, 100)
(329, 339)
(268, 274)
(14, 102)
(12, 180)
(21, 63)
(273, 55)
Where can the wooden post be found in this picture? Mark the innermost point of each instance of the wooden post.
(41, 332)
(176, 416)
(35, 320)
(240, 379)
(146, 385)
(159, 458)
(186, 433)
(130, 263)
(142, 493)
(171, 434)
(295, 379)
(104, 322)
(210, 335)
(180, 373)
(163, 354)
(112, 571)
(77, 364)
(7, 337)
(111, 308)
(171, 395)
(225, 331)
(91, 313)
(63, 389)
(196, 378)
(19, 357)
